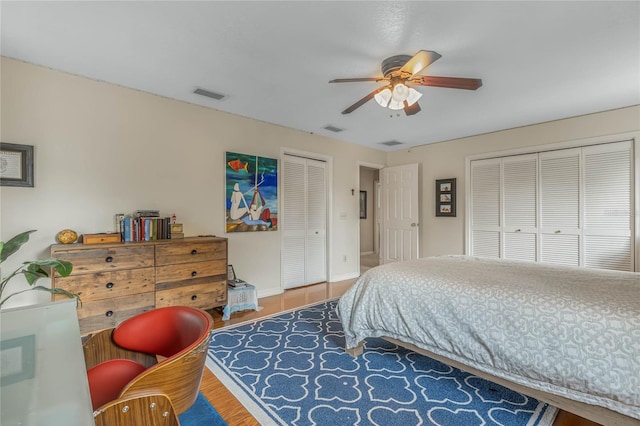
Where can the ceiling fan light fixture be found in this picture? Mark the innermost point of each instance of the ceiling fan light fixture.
(383, 97)
(400, 93)
(396, 105)
(413, 97)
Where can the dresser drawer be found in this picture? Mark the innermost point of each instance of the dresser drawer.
(185, 271)
(203, 295)
(107, 313)
(103, 285)
(191, 251)
(107, 258)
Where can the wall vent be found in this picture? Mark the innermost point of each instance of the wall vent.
(333, 129)
(391, 143)
(213, 95)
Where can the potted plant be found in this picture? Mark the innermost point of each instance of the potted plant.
(32, 269)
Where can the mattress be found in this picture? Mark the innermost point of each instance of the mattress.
(573, 332)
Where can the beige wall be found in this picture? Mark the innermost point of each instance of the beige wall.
(102, 149)
(445, 235)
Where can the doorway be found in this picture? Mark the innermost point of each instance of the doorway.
(369, 240)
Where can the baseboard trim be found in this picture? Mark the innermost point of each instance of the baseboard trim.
(343, 277)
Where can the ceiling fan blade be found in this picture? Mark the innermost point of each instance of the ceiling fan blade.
(449, 82)
(362, 101)
(411, 109)
(420, 61)
(354, 80)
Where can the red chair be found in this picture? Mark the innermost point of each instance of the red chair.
(159, 352)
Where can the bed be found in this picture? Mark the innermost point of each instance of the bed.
(567, 336)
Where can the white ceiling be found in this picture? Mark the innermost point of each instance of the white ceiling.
(539, 61)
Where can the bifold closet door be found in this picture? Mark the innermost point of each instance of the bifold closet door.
(571, 207)
(304, 221)
(520, 198)
(608, 212)
(486, 226)
(560, 209)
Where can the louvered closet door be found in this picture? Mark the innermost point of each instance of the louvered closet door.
(560, 206)
(315, 256)
(485, 208)
(608, 185)
(293, 223)
(520, 224)
(304, 221)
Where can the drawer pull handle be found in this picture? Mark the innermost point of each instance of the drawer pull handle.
(194, 273)
(109, 285)
(109, 259)
(109, 313)
(194, 297)
(194, 251)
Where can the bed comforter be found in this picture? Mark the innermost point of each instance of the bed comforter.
(573, 332)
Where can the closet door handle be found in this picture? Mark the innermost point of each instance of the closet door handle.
(109, 285)
(194, 251)
(194, 273)
(109, 259)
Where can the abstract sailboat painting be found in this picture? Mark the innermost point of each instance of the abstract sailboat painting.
(251, 189)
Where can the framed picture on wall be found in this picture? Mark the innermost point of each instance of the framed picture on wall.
(363, 204)
(446, 197)
(16, 165)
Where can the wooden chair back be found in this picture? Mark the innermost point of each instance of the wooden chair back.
(148, 410)
(175, 365)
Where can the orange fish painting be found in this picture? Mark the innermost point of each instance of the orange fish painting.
(237, 165)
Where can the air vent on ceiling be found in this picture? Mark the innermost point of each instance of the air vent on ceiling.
(333, 128)
(391, 143)
(213, 95)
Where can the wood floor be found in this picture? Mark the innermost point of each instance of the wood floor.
(228, 406)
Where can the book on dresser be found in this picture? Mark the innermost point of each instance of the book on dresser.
(119, 280)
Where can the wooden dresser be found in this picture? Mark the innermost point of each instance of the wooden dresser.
(117, 281)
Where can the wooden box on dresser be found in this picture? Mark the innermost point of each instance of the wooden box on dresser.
(119, 280)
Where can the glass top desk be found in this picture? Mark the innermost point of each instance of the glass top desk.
(43, 380)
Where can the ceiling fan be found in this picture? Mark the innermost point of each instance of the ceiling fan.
(400, 73)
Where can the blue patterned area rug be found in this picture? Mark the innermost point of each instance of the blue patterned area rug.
(201, 413)
(291, 369)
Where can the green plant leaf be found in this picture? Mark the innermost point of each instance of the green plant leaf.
(63, 267)
(14, 244)
(34, 272)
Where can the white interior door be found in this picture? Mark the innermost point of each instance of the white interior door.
(399, 213)
(304, 221)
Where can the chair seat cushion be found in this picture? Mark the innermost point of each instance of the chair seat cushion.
(107, 379)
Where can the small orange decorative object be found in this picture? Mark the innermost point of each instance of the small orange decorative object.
(67, 236)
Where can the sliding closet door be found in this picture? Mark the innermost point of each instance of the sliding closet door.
(303, 222)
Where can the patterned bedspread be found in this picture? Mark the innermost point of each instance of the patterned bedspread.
(574, 332)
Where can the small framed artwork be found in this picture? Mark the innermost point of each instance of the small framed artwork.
(446, 197)
(231, 274)
(16, 165)
(363, 204)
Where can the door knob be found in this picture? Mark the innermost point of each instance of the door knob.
(414, 225)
